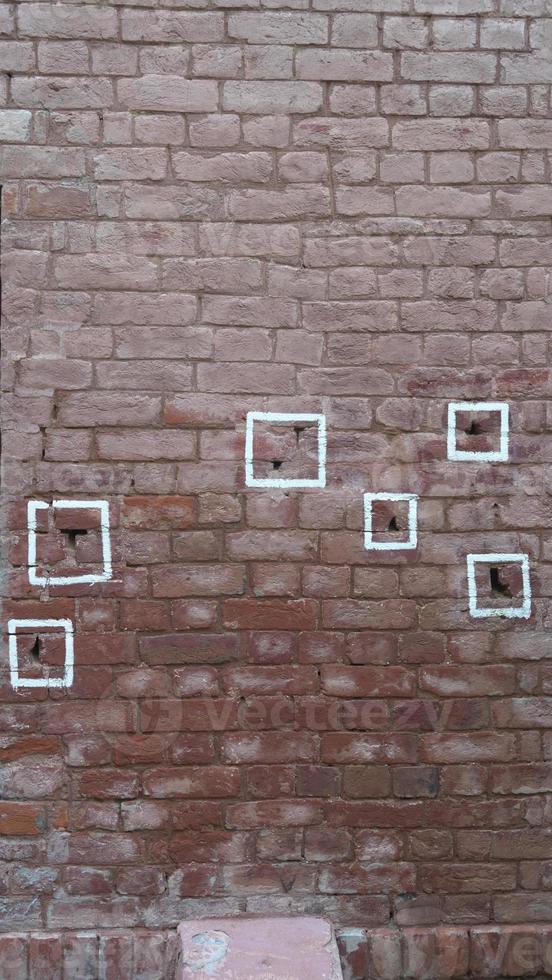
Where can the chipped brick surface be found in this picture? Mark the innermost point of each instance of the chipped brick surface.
(339, 208)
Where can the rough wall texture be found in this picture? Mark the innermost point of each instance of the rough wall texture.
(212, 207)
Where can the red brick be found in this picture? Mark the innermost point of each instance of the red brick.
(366, 782)
(294, 679)
(21, 819)
(13, 955)
(521, 778)
(300, 614)
(17, 748)
(266, 782)
(213, 714)
(192, 648)
(439, 953)
(359, 879)
(294, 813)
(196, 749)
(45, 954)
(107, 784)
(182, 782)
(384, 955)
(452, 681)
(359, 614)
(184, 580)
(158, 512)
(377, 682)
(505, 950)
(79, 717)
(268, 747)
(472, 747)
(209, 845)
(343, 747)
(470, 878)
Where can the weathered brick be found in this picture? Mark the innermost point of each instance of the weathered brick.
(215, 781)
(182, 580)
(166, 25)
(167, 93)
(279, 28)
(86, 21)
(61, 92)
(231, 167)
(449, 67)
(343, 64)
(261, 97)
(15, 125)
(209, 212)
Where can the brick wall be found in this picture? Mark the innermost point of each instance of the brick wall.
(340, 208)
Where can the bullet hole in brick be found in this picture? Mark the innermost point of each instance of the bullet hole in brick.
(474, 429)
(287, 884)
(498, 587)
(71, 534)
(276, 464)
(35, 649)
(393, 526)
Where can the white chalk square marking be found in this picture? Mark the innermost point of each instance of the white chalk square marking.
(511, 612)
(86, 578)
(499, 455)
(37, 624)
(411, 542)
(284, 418)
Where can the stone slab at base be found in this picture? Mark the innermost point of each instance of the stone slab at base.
(282, 948)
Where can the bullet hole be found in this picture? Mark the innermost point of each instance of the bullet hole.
(498, 587)
(288, 882)
(71, 534)
(474, 429)
(393, 526)
(276, 464)
(35, 649)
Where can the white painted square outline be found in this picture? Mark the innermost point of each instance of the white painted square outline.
(15, 679)
(499, 455)
(511, 612)
(279, 418)
(35, 505)
(411, 541)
